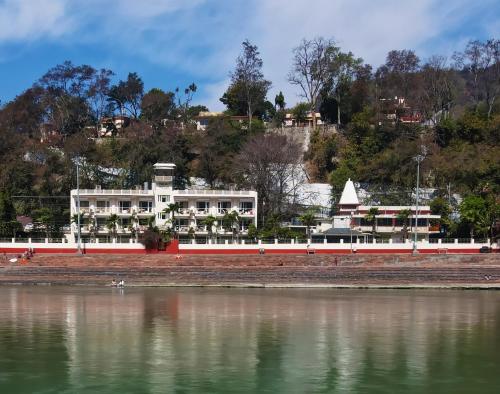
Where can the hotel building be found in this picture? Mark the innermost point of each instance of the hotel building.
(136, 209)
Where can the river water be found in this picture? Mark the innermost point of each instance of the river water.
(103, 340)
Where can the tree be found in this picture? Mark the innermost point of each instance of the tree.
(341, 73)
(481, 60)
(299, 112)
(150, 239)
(112, 224)
(473, 212)
(248, 85)
(45, 218)
(403, 216)
(437, 90)
(269, 164)
(440, 206)
(8, 222)
(171, 210)
(310, 69)
(279, 101)
(308, 220)
(231, 221)
(210, 221)
(371, 217)
(133, 226)
(480, 213)
(397, 76)
(184, 101)
(127, 95)
(156, 106)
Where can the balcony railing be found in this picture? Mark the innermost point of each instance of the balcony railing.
(163, 178)
(205, 192)
(113, 192)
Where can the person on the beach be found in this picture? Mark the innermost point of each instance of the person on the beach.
(113, 283)
(121, 283)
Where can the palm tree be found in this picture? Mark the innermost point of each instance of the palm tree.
(172, 209)
(112, 224)
(404, 216)
(132, 227)
(231, 222)
(209, 221)
(74, 218)
(308, 220)
(371, 217)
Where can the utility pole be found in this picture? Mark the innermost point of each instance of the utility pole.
(350, 227)
(79, 231)
(418, 159)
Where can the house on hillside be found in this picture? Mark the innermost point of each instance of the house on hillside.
(397, 110)
(205, 117)
(291, 121)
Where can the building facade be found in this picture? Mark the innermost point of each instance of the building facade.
(388, 221)
(121, 215)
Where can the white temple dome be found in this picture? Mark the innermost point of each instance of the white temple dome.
(349, 196)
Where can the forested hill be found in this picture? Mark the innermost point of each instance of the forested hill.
(446, 109)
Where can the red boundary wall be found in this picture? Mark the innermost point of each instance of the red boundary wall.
(173, 248)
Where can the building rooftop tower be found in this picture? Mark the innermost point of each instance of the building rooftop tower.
(349, 196)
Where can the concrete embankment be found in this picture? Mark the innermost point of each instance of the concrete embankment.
(450, 271)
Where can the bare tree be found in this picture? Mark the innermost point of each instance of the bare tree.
(270, 164)
(437, 89)
(481, 60)
(311, 68)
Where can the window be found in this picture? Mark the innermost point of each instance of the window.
(163, 198)
(125, 206)
(102, 204)
(124, 222)
(202, 206)
(101, 223)
(84, 203)
(384, 222)
(182, 204)
(161, 215)
(246, 206)
(224, 206)
(145, 206)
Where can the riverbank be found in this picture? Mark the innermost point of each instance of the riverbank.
(399, 271)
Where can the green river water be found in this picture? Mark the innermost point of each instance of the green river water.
(165, 340)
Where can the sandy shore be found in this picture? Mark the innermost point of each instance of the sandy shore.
(381, 271)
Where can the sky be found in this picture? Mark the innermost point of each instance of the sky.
(172, 43)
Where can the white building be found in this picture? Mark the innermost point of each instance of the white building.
(136, 209)
(352, 215)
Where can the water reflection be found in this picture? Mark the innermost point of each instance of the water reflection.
(248, 340)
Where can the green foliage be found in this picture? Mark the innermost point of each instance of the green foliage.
(308, 220)
(479, 214)
(300, 112)
(323, 147)
(8, 223)
(371, 217)
(112, 224)
(150, 239)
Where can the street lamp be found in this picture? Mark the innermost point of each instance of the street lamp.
(79, 230)
(418, 159)
(350, 227)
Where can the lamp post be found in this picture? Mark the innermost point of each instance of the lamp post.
(79, 230)
(418, 159)
(350, 227)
